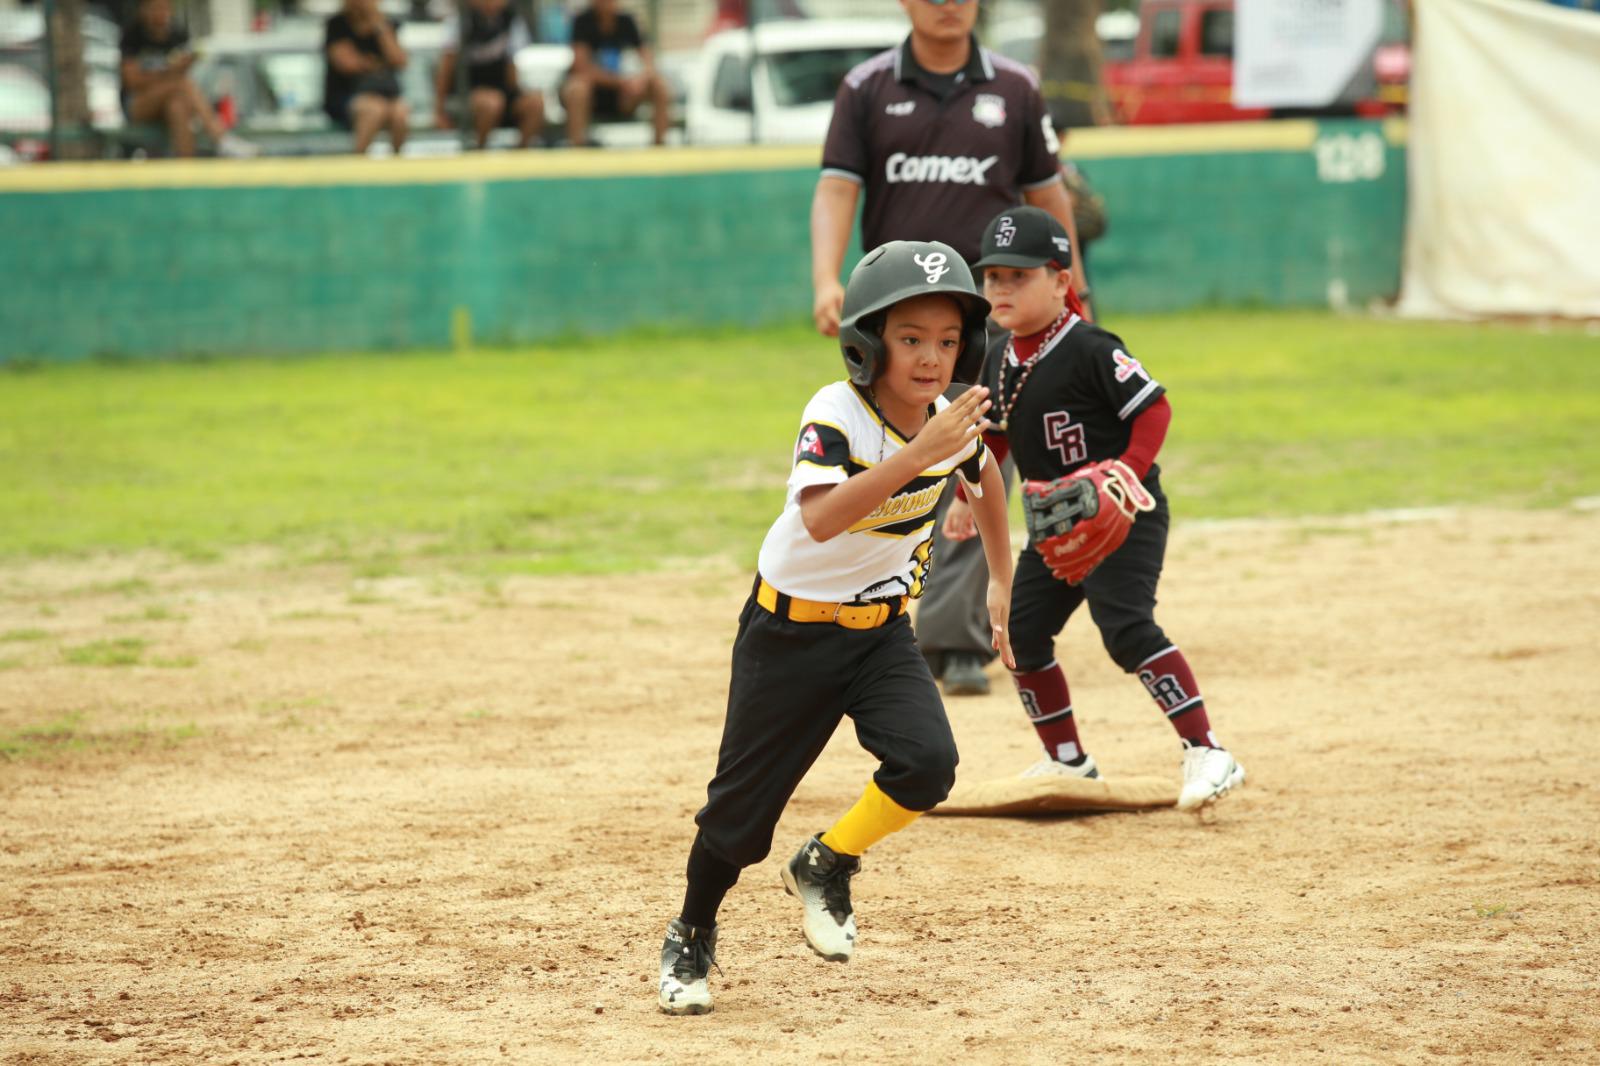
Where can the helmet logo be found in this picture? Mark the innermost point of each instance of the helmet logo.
(933, 264)
(1006, 233)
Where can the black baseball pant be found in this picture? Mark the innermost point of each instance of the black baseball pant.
(1121, 594)
(792, 683)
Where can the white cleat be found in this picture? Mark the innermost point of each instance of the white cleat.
(1048, 767)
(686, 961)
(1208, 775)
(821, 879)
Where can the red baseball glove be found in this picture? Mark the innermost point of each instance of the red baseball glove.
(1076, 521)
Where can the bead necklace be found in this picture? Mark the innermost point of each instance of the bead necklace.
(1008, 398)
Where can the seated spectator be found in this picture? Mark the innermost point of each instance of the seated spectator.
(494, 33)
(361, 85)
(596, 86)
(156, 88)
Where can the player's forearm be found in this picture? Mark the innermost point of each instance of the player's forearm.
(1146, 435)
(832, 510)
(833, 209)
(989, 512)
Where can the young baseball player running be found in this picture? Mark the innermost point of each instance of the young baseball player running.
(824, 633)
(1084, 421)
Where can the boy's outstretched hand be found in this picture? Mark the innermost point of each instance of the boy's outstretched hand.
(951, 430)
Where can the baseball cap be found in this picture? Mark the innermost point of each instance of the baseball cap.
(1024, 237)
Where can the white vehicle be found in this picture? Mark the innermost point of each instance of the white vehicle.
(778, 87)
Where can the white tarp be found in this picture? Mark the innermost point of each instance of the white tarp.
(1301, 53)
(1503, 207)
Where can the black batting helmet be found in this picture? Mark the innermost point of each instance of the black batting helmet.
(898, 271)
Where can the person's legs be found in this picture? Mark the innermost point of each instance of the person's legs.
(785, 698)
(900, 719)
(1041, 603)
(953, 619)
(368, 114)
(487, 107)
(150, 105)
(660, 107)
(399, 124)
(1122, 598)
(577, 96)
(528, 117)
(166, 105)
(203, 111)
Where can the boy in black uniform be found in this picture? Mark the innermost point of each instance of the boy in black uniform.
(1067, 394)
(494, 32)
(824, 633)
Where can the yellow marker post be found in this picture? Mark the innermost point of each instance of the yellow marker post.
(461, 329)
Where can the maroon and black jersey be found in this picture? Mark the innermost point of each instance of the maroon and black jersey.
(1075, 405)
(939, 155)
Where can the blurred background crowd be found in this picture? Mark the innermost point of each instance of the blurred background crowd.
(134, 78)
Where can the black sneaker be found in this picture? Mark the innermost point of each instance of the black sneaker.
(687, 956)
(821, 879)
(964, 676)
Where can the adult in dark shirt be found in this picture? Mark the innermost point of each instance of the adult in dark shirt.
(361, 82)
(494, 32)
(156, 87)
(598, 87)
(941, 134)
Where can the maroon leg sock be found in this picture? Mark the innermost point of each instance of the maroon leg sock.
(1049, 706)
(1170, 682)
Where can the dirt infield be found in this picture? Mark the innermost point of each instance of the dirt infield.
(424, 821)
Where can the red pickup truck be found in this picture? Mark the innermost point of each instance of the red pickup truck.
(1181, 69)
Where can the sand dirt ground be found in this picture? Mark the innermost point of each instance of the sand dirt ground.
(425, 820)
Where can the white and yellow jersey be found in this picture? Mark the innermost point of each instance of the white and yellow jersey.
(885, 554)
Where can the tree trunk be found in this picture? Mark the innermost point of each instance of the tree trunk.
(71, 80)
(1069, 61)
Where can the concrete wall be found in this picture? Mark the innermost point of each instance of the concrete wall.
(222, 258)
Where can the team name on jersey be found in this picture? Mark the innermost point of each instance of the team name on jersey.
(957, 170)
(898, 508)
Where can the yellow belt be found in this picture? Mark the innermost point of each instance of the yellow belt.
(850, 615)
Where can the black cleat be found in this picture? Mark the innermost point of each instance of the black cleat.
(687, 956)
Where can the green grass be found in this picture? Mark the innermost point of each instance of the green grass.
(68, 735)
(151, 613)
(616, 454)
(123, 651)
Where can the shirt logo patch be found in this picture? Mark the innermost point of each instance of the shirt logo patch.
(989, 109)
(1127, 366)
(958, 170)
(903, 108)
(933, 264)
(1005, 232)
(810, 443)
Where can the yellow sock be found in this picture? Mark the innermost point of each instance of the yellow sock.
(873, 817)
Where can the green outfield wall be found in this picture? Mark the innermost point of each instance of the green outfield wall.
(264, 256)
